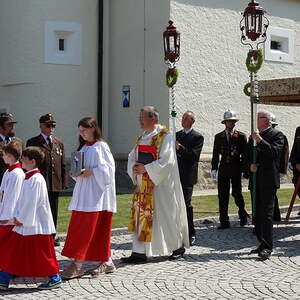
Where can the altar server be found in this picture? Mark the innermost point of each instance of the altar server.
(30, 249)
(10, 190)
(92, 205)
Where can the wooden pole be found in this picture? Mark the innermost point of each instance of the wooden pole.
(297, 187)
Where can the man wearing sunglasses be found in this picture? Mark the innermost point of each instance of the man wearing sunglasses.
(54, 166)
(7, 133)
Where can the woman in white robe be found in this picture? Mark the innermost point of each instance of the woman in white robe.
(92, 205)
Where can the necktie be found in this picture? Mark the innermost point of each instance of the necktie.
(49, 142)
(7, 140)
(229, 137)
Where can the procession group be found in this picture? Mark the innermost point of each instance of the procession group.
(163, 171)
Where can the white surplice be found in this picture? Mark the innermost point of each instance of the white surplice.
(170, 228)
(33, 208)
(10, 191)
(98, 191)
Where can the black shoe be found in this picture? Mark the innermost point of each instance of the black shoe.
(134, 258)
(255, 251)
(277, 219)
(224, 226)
(56, 242)
(243, 221)
(265, 254)
(192, 240)
(298, 213)
(178, 253)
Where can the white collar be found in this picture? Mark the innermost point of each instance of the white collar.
(46, 137)
(265, 129)
(187, 130)
(3, 137)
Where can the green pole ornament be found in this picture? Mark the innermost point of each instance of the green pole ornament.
(254, 60)
(247, 88)
(171, 77)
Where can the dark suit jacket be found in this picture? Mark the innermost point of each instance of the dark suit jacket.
(3, 165)
(54, 166)
(233, 154)
(188, 156)
(295, 153)
(269, 152)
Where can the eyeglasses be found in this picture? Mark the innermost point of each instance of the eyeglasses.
(50, 125)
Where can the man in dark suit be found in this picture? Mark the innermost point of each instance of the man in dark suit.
(189, 144)
(270, 144)
(295, 158)
(7, 133)
(54, 166)
(231, 145)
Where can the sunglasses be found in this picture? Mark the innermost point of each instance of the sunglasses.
(50, 125)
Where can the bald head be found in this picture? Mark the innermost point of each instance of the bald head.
(188, 119)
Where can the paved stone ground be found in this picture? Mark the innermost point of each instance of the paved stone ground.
(218, 267)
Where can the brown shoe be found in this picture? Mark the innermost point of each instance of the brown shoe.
(104, 269)
(72, 272)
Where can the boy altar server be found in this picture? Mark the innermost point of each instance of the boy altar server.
(30, 249)
(10, 190)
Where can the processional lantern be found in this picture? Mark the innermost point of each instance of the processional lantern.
(254, 24)
(171, 44)
(171, 39)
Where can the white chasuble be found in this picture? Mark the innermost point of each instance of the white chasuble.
(170, 228)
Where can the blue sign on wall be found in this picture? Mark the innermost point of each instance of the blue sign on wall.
(126, 95)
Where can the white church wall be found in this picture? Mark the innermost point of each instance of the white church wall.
(212, 65)
(133, 30)
(30, 87)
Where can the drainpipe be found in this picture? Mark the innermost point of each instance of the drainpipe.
(100, 62)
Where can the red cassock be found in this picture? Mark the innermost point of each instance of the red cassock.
(88, 236)
(5, 233)
(29, 255)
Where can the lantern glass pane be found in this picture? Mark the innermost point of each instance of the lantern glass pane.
(172, 44)
(260, 23)
(246, 22)
(253, 23)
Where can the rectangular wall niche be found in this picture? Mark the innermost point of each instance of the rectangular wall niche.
(280, 45)
(63, 43)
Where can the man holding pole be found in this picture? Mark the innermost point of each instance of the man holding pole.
(270, 144)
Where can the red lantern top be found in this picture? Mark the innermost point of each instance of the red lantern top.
(253, 15)
(171, 44)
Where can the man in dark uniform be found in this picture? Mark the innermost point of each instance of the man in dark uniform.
(270, 144)
(231, 145)
(295, 158)
(189, 144)
(284, 159)
(54, 166)
(7, 133)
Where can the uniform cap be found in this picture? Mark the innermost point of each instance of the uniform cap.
(48, 118)
(229, 115)
(273, 120)
(6, 118)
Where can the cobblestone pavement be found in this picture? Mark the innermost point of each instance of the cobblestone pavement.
(218, 267)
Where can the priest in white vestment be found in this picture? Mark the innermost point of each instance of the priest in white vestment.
(165, 231)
